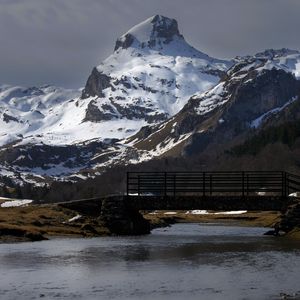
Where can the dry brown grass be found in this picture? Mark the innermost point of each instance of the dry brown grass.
(46, 220)
(255, 218)
(38, 221)
(294, 234)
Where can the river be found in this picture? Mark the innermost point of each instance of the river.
(185, 261)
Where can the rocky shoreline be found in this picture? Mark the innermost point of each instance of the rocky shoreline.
(289, 223)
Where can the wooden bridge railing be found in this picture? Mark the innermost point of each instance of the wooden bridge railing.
(212, 183)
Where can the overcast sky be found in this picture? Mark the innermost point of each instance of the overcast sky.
(59, 41)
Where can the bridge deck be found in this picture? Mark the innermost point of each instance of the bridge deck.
(208, 184)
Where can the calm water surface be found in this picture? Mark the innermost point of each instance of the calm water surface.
(185, 261)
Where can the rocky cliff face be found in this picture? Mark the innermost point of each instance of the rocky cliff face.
(95, 85)
(152, 33)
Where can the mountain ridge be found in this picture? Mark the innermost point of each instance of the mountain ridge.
(143, 104)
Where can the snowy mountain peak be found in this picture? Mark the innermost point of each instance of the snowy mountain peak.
(150, 76)
(152, 33)
(280, 59)
(273, 53)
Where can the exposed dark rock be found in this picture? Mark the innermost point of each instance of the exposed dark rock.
(121, 219)
(22, 234)
(115, 214)
(94, 114)
(124, 81)
(139, 112)
(165, 27)
(95, 85)
(124, 42)
(46, 156)
(163, 31)
(290, 219)
(147, 88)
(7, 118)
(35, 236)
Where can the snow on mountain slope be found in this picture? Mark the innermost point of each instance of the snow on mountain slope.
(254, 89)
(149, 77)
(281, 59)
(53, 116)
(151, 74)
(285, 59)
(30, 111)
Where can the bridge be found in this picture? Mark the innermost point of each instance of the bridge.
(245, 190)
(252, 191)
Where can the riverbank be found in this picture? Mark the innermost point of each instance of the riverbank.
(242, 218)
(39, 222)
(266, 219)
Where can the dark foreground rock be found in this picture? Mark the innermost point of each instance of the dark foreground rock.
(85, 218)
(17, 234)
(121, 219)
(114, 213)
(290, 220)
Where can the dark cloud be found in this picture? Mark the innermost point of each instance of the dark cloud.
(59, 41)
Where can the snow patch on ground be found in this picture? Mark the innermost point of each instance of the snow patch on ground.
(77, 217)
(15, 203)
(234, 212)
(205, 212)
(197, 212)
(295, 194)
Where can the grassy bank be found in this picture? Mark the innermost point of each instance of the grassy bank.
(294, 234)
(38, 222)
(256, 218)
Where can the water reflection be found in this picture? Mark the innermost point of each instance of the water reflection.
(184, 261)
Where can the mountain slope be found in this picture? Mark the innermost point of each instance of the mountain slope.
(50, 132)
(253, 90)
(155, 98)
(149, 77)
(30, 111)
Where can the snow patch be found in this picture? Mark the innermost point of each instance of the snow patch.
(258, 121)
(15, 203)
(234, 212)
(197, 212)
(77, 217)
(205, 212)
